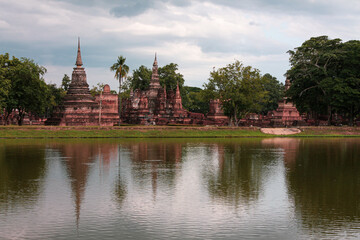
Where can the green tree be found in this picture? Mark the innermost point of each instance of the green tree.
(65, 82)
(313, 67)
(96, 90)
(239, 88)
(29, 92)
(5, 82)
(54, 98)
(193, 100)
(345, 87)
(121, 71)
(169, 76)
(275, 91)
(140, 78)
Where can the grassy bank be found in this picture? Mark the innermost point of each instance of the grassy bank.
(163, 132)
(127, 132)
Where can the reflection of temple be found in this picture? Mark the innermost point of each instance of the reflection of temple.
(80, 108)
(79, 159)
(290, 146)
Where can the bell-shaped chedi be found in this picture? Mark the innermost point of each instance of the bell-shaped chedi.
(286, 114)
(78, 93)
(80, 108)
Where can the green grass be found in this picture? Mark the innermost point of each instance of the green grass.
(127, 132)
(132, 131)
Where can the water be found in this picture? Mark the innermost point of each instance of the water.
(279, 188)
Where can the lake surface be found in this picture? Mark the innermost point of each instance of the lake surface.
(280, 188)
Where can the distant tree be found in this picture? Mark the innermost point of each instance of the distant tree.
(5, 82)
(275, 91)
(121, 71)
(239, 88)
(29, 92)
(344, 88)
(169, 76)
(313, 67)
(96, 90)
(65, 82)
(193, 100)
(54, 98)
(140, 78)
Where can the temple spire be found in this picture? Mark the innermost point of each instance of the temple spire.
(154, 83)
(155, 61)
(78, 58)
(177, 94)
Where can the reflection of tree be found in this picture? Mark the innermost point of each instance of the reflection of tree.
(22, 169)
(240, 173)
(149, 160)
(120, 186)
(325, 182)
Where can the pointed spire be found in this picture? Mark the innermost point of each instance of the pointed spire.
(177, 94)
(155, 61)
(78, 58)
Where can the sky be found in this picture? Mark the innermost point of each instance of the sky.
(198, 35)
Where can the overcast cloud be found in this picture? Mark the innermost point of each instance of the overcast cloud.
(197, 35)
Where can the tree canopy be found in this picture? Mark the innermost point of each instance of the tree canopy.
(26, 89)
(168, 75)
(325, 77)
(240, 89)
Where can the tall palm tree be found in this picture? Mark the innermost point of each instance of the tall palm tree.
(121, 71)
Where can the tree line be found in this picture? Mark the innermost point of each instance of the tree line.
(325, 77)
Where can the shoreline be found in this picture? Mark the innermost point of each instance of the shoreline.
(137, 131)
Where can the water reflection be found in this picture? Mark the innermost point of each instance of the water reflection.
(22, 170)
(324, 183)
(241, 169)
(183, 188)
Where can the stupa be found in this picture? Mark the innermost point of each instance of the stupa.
(80, 108)
(286, 114)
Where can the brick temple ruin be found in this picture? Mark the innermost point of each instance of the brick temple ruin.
(154, 106)
(80, 108)
(286, 114)
(159, 106)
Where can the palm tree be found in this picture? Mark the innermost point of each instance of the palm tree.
(121, 71)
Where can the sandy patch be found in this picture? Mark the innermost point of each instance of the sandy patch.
(280, 131)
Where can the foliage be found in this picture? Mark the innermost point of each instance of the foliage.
(121, 71)
(140, 78)
(325, 77)
(96, 90)
(275, 91)
(313, 65)
(192, 100)
(54, 98)
(65, 82)
(28, 92)
(239, 88)
(5, 82)
(120, 68)
(169, 76)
